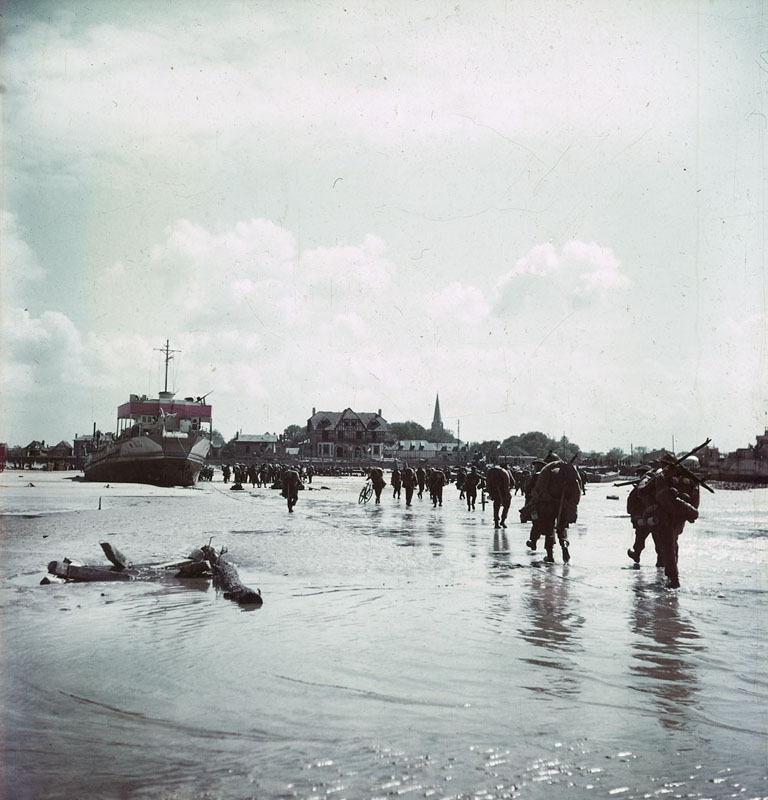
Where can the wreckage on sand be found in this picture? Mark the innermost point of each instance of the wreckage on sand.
(202, 562)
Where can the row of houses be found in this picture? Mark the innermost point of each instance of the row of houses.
(36, 454)
(343, 436)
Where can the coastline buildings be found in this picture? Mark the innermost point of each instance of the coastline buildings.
(248, 446)
(345, 434)
(744, 464)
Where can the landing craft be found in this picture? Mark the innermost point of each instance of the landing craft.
(160, 441)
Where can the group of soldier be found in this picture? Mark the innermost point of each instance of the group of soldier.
(258, 475)
(665, 495)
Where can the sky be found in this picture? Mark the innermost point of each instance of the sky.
(550, 213)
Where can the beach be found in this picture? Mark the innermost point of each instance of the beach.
(399, 652)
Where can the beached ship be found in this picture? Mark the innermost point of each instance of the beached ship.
(160, 441)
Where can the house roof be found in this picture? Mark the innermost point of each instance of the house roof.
(336, 417)
(258, 437)
(423, 444)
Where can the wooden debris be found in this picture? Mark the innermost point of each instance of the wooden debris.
(203, 562)
(114, 555)
(225, 577)
(76, 572)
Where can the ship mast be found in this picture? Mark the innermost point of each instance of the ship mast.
(167, 351)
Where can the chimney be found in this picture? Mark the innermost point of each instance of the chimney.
(379, 412)
(313, 411)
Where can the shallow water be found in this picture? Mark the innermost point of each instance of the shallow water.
(399, 652)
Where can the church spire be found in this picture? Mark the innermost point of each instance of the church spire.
(437, 431)
(437, 420)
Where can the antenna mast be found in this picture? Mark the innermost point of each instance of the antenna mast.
(167, 351)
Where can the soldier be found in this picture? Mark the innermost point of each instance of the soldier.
(667, 498)
(554, 505)
(436, 483)
(471, 481)
(421, 477)
(291, 484)
(637, 500)
(461, 475)
(253, 475)
(226, 471)
(497, 484)
(376, 475)
(409, 484)
(396, 482)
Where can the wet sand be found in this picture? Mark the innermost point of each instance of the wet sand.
(411, 652)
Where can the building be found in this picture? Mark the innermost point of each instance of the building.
(345, 435)
(746, 463)
(255, 447)
(415, 450)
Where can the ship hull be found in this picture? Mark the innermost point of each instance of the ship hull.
(158, 461)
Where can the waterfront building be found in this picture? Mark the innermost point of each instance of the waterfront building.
(249, 447)
(346, 434)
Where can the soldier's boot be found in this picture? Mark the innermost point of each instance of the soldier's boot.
(531, 544)
(635, 556)
(566, 554)
(549, 546)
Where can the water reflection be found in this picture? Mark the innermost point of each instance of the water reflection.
(662, 646)
(555, 628)
(499, 601)
(435, 535)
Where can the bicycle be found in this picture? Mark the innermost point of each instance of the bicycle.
(366, 492)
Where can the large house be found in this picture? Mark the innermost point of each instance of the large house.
(346, 434)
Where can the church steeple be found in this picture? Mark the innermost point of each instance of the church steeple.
(437, 420)
(437, 431)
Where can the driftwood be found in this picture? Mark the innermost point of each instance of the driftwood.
(225, 577)
(202, 562)
(77, 572)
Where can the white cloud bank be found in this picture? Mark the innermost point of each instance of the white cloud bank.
(273, 331)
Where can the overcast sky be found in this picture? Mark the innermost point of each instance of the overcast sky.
(550, 213)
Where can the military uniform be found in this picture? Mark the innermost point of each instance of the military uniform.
(409, 484)
(396, 483)
(436, 483)
(498, 485)
(662, 502)
(554, 505)
(291, 483)
(377, 479)
(471, 481)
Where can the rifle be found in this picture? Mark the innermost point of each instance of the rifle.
(679, 463)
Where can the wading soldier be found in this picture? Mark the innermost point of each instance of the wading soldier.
(421, 478)
(377, 479)
(396, 482)
(291, 485)
(461, 475)
(554, 505)
(471, 481)
(667, 498)
(409, 484)
(637, 500)
(497, 484)
(436, 483)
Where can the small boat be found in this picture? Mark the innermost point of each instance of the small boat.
(160, 441)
